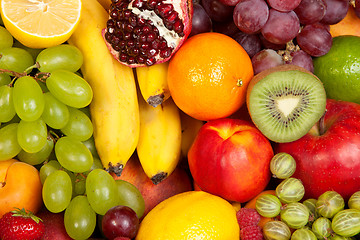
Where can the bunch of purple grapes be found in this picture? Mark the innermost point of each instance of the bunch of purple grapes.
(274, 32)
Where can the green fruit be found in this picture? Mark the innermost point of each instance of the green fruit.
(329, 203)
(346, 223)
(303, 234)
(290, 190)
(282, 165)
(354, 200)
(339, 69)
(285, 102)
(295, 215)
(268, 205)
(276, 230)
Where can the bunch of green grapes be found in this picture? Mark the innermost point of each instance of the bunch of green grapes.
(45, 121)
(323, 218)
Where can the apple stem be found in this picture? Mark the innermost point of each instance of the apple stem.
(322, 124)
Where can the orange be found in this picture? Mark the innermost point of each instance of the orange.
(350, 25)
(208, 76)
(191, 215)
(40, 23)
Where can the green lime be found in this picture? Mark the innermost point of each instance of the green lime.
(339, 69)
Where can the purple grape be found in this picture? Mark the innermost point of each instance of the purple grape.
(201, 22)
(250, 15)
(228, 28)
(310, 11)
(266, 44)
(281, 27)
(302, 59)
(230, 2)
(284, 5)
(315, 40)
(120, 221)
(217, 11)
(335, 12)
(250, 42)
(357, 8)
(266, 59)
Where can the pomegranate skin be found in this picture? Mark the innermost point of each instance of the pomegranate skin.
(143, 33)
(231, 158)
(327, 158)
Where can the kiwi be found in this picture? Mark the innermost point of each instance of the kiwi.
(284, 102)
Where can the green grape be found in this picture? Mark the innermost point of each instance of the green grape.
(56, 114)
(282, 165)
(73, 155)
(321, 227)
(15, 59)
(346, 222)
(5, 79)
(69, 88)
(47, 168)
(79, 185)
(90, 144)
(303, 234)
(79, 126)
(268, 205)
(101, 191)
(79, 218)
(28, 98)
(276, 230)
(310, 203)
(37, 157)
(329, 203)
(9, 146)
(32, 136)
(86, 110)
(64, 56)
(290, 190)
(130, 196)
(6, 39)
(57, 191)
(7, 109)
(295, 215)
(354, 200)
(33, 51)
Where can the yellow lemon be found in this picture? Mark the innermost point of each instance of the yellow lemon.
(41, 23)
(195, 215)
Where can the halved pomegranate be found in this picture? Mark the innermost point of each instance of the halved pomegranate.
(146, 32)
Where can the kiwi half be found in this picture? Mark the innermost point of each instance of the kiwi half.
(284, 102)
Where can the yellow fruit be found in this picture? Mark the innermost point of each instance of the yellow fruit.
(191, 215)
(41, 23)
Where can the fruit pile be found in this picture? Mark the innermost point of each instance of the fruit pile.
(151, 119)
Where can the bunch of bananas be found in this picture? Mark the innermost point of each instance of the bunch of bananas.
(132, 109)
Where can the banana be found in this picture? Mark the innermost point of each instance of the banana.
(153, 85)
(159, 146)
(189, 128)
(114, 109)
(105, 4)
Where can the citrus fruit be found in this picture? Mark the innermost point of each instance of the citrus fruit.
(339, 69)
(208, 76)
(41, 23)
(191, 215)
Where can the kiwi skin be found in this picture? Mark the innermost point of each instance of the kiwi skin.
(286, 67)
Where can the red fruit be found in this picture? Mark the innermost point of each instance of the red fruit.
(120, 221)
(247, 217)
(145, 32)
(54, 225)
(251, 233)
(21, 225)
(231, 158)
(327, 157)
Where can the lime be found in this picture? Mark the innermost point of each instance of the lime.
(339, 69)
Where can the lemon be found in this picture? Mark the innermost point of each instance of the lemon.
(339, 69)
(41, 23)
(194, 215)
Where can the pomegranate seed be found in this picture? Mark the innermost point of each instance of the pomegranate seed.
(178, 26)
(151, 36)
(152, 4)
(123, 57)
(164, 9)
(172, 17)
(131, 60)
(144, 46)
(150, 61)
(165, 52)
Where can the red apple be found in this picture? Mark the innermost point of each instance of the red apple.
(328, 157)
(231, 158)
(54, 225)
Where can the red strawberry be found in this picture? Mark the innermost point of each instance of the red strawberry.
(21, 225)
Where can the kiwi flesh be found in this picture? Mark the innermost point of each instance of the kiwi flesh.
(285, 102)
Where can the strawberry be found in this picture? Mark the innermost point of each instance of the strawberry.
(21, 225)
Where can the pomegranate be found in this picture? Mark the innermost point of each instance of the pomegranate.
(146, 32)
